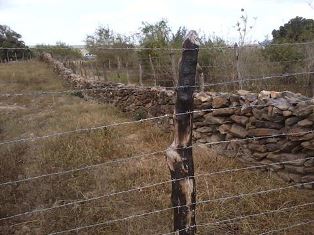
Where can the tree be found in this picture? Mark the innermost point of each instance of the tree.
(105, 44)
(11, 39)
(60, 51)
(297, 30)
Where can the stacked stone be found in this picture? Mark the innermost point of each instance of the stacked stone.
(249, 115)
(224, 116)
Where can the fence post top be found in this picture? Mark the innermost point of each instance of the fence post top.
(192, 36)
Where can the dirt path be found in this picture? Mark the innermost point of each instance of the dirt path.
(36, 116)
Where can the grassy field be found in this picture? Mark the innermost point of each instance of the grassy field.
(26, 116)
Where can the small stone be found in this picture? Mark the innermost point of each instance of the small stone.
(223, 112)
(291, 121)
(219, 101)
(197, 135)
(257, 147)
(210, 119)
(238, 131)
(274, 157)
(267, 124)
(240, 119)
(309, 162)
(203, 97)
(263, 132)
(215, 138)
(304, 111)
(224, 128)
(204, 129)
(286, 113)
(259, 156)
(280, 103)
(243, 92)
(308, 145)
(305, 123)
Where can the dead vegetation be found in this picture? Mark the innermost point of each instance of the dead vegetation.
(25, 116)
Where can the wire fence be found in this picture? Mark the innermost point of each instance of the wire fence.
(287, 66)
(159, 70)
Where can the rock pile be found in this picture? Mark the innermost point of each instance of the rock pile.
(269, 129)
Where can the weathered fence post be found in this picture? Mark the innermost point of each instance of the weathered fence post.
(238, 74)
(174, 68)
(153, 69)
(140, 75)
(179, 155)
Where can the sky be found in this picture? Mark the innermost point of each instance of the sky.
(70, 21)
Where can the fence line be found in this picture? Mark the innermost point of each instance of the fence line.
(154, 87)
(288, 227)
(171, 208)
(158, 48)
(140, 188)
(247, 216)
(124, 123)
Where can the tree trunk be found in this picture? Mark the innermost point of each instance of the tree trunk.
(179, 154)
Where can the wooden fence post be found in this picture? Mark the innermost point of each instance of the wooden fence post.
(238, 74)
(153, 69)
(140, 75)
(179, 155)
(174, 68)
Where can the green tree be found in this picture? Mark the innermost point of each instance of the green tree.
(11, 39)
(297, 30)
(60, 51)
(106, 44)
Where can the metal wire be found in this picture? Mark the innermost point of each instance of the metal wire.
(162, 49)
(140, 188)
(124, 87)
(245, 217)
(175, 207)
(288, 227)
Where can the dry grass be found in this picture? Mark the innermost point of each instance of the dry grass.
(32, 116)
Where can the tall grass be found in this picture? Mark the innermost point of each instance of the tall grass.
(39, 115)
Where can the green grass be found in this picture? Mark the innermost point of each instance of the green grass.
(40, 115)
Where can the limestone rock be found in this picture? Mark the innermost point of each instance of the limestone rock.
(220, 101)
(305, 123)
(238, 131)
(224, 112)
(240, 119)
(262, 132)
(210, 119)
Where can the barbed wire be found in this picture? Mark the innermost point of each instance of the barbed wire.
(175, 207)
(162, 49)
(140, 188)
(125, 87)
(88, 129)
(288, 227)
(120, 160)
(244, 217)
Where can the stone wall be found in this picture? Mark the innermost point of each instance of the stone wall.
(227, 117)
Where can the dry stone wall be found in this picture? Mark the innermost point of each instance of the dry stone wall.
(243, 120)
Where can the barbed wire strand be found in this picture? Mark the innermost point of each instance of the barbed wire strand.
(158, 48)
(175, 207)
(145, 155)
(244, 217)
(288, 227)
(140, 188)
(124, 87)
(58, 134)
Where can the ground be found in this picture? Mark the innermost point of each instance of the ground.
(34, 115)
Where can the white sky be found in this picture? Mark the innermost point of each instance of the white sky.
(69, 21)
